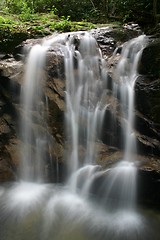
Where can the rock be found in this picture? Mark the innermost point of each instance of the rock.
(147, 134)
(9, 159)
(148, 188)
(132, 26)
(147, 97)
(150, 60)
(11, 80)
(6, 174)
(147, 93)
(110, 38)
(24, 48)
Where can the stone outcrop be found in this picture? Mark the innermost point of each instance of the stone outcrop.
(11, 80)
(147, 91)
(111, 38)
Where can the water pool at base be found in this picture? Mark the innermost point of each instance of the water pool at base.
(45, 212)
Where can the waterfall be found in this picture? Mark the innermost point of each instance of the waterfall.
(126, 74)
(84, 98)
(123, 176)
(33, 117)
(93, 203)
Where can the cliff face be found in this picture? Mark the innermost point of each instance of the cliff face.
(11, 81)
(147, 113)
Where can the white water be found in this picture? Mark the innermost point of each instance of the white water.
(84, 99)
(37, 211)
(123, 176)
(33, 114)
(126, 74)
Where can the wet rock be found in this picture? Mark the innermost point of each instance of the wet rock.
(11, 81)
(148, 188)
(147, 97)
(5, 56)
(132, 26)
(147, 92)
(24, 48)
(112, 130)
(150, 61)
(6, 174)
(110, 38)
(147, 134)
(147, 185)
(9, 159)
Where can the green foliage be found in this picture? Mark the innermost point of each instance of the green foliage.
(90, 10)
(21, 19)
(15, 6)
(5, 20)
(66, 25)
(132, 10)
(77, 10)
(10, 36)
(26, 15)
(16, 28)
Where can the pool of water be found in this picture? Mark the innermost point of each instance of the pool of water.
(45, 212)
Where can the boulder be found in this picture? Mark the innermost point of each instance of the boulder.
(110, 38)
(150, 60)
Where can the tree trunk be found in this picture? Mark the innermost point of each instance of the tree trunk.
(155, 10)
(105, 2)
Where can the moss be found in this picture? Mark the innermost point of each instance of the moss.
(15, 29)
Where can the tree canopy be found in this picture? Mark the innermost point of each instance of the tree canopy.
(141, 11)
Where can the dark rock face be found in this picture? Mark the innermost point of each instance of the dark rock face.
(150, 61)
(148, 83)
(148, 191)
(109, 38)
(147, 97)
(147, 91)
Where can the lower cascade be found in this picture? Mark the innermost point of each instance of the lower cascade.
(92, 203)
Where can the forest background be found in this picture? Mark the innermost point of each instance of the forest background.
(22, 19)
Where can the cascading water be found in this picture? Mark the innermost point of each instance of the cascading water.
(123, 175)
(126, 73)
(32, 166)
(84, 99)
(39, 211)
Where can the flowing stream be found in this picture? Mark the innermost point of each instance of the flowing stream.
(33, 210)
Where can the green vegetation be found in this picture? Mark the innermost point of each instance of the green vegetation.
(16, 28)
(95, 10)
(22, 19)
